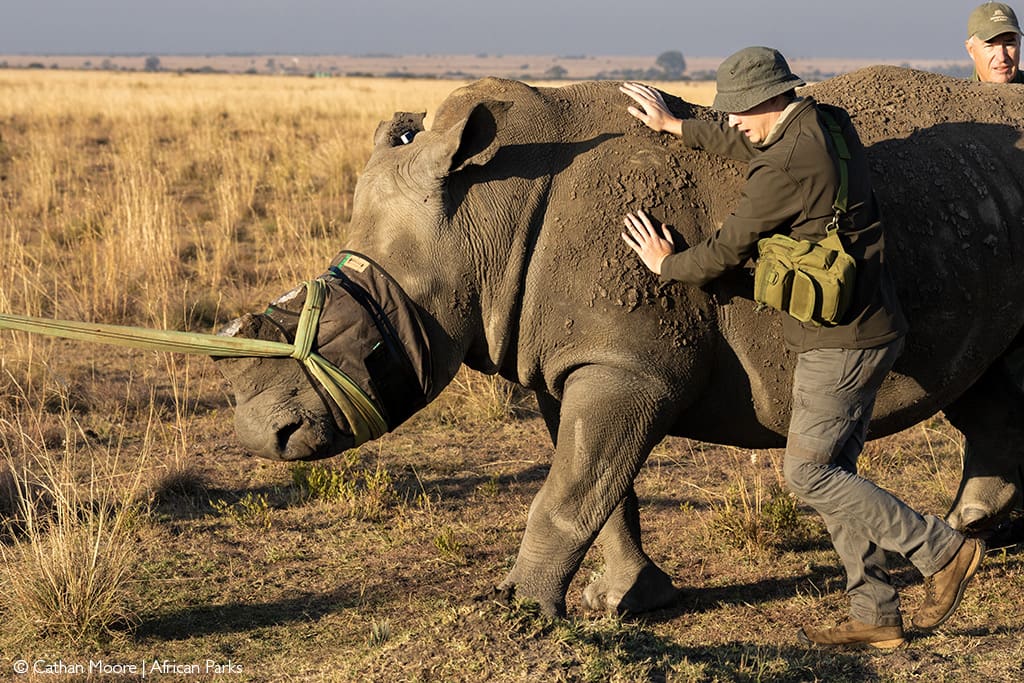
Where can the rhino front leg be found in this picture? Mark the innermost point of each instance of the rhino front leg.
(610, 420)
(991, 417)
(631, 583)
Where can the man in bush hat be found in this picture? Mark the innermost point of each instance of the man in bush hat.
(796, 149)
(993, 42)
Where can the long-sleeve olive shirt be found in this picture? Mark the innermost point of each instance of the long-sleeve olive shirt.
(792, 180)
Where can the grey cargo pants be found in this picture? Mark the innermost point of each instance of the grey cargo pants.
(833, 396)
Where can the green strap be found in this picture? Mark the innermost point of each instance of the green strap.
(839, 205)
(363, 416)
(365, 419)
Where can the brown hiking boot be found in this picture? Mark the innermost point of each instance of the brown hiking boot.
(853, 633)
(944, 588)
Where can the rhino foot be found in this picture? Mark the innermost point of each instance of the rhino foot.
(1009, 532)
(650, 590)
(984, 503)
(509, 593)
(972, 519)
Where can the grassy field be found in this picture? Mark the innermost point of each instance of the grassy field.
(138, 534)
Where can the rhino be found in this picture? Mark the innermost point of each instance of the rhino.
(500, 224)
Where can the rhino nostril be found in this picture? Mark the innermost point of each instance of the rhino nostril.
(284, 434)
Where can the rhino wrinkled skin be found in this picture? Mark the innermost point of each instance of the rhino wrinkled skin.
(502, 224)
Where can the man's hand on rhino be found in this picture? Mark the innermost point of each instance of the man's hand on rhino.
(643, 238)
(653, 111)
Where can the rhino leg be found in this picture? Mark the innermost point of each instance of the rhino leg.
(631, 582)
(609, 421)
(991, 417)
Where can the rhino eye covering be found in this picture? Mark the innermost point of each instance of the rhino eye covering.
(406, 137)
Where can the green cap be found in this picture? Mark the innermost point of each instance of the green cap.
(752, 76)
(990, 20)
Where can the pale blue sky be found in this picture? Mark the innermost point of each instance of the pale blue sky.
(884, 29)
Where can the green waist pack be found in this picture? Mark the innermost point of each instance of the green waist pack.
(813, 282)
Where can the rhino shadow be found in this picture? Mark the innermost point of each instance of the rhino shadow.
(934, 262)
(239, 617)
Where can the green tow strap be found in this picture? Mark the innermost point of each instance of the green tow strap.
(843, 152)
(365, 419)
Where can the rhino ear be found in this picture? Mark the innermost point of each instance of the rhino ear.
(478, 134)
(472, 141)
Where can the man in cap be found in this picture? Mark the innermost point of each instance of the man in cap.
(993, 42)
(792, 187)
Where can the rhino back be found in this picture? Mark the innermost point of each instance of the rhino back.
(945, 155)
(588, 299)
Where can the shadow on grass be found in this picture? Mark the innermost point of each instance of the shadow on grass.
(204, 620)
(610, 648)
(742, 661)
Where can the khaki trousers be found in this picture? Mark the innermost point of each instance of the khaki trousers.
(833, 396)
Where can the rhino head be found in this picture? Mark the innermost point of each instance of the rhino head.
(403, 206)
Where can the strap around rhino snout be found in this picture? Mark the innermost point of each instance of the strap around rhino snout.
(364, 418)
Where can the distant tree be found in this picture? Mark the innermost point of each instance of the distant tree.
(555, 73)
(672, 64)
(152, 63)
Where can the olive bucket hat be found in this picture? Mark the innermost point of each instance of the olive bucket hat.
(750, 77)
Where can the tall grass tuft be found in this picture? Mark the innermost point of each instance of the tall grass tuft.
(70, 551)
(756, 512)
(473, 397)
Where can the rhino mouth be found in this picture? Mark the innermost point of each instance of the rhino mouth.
(299, 440)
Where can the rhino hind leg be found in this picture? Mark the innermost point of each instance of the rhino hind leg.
(991, 494)
(631, 583)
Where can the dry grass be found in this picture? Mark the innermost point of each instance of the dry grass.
(167, 200)
(70, 552)
(173, 201)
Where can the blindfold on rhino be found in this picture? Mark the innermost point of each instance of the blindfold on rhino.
(369, 371)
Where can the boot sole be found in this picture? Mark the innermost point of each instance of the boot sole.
(890, 644)
(979, 554)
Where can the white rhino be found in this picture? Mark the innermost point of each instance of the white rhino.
(501, 224)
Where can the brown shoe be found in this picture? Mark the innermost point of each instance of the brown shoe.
(944, 589)
(853, 633)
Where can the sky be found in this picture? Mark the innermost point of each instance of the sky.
(884, 29)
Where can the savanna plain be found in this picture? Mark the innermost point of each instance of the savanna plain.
(138, 537)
